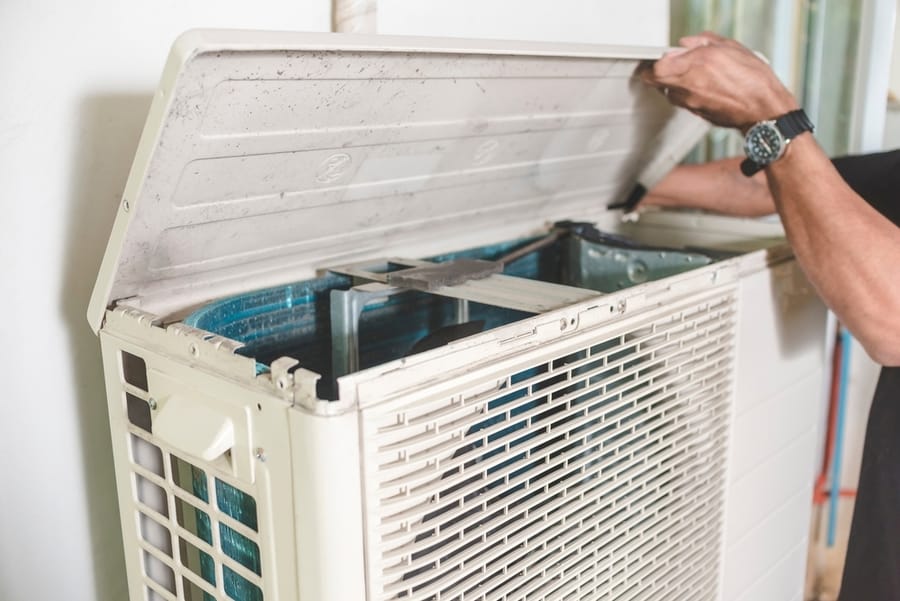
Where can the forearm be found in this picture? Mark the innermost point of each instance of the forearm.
(849, 251)
(716, 186)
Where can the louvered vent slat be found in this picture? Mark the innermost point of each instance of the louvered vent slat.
(595, 474)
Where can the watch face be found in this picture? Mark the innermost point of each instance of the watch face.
(764, 143)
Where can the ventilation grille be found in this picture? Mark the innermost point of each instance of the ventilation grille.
(595, 474)
(198, 534)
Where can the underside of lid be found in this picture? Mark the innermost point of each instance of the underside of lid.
(268, 156)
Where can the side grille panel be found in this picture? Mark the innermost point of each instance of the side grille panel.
(595, 472)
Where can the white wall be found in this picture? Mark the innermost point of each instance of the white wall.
(77, 79)
(644, 22)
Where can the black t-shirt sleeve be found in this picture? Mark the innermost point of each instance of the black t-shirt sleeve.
(875, 177)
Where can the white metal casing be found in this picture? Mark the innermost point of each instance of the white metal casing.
(314, 467)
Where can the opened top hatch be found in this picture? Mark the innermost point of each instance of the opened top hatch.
(268, 156)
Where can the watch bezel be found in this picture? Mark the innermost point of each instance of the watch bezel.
(754, 132)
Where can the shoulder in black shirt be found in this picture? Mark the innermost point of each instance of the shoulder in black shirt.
(875, 177)
(872, 568)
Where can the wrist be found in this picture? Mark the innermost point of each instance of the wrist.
(799, 144)
(779, 102)
(781, 106)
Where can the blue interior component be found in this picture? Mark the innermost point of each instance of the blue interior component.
(294, 320)
(242, 507)
(284, 320)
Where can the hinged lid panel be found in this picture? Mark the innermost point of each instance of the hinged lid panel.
(269, 155)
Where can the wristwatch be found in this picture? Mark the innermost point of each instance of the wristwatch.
(766, 141)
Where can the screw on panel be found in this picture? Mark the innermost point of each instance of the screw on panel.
(563, 324)
(194, 349)
(152, 403)
(126, 205)
(260, 454)
(621, 306)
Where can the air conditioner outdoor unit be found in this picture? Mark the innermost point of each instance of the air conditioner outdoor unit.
(362, 341)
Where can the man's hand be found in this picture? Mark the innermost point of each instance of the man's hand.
(720, 80)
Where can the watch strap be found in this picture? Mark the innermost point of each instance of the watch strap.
(749, 167)
(793, 124)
